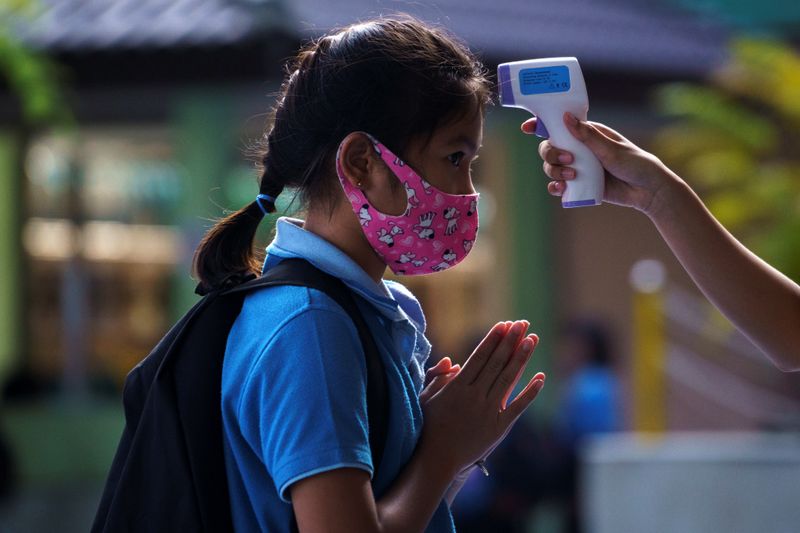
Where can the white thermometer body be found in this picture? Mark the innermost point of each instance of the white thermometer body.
(548, 88)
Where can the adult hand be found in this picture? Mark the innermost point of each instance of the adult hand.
(633, 177)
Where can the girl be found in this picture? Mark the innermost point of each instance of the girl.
(376, 126)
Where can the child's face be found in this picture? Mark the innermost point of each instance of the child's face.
(445, 160)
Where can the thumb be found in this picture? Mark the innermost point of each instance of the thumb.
(437, 384)
(442, 367)
(601, 145)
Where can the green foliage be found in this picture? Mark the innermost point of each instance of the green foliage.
(736, 140)
(30, 75)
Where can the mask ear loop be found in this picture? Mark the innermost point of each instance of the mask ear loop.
(386, 156)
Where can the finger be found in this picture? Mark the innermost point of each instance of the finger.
(524, 398)
(439, 382)
(529, 126)
(499, 358)
(602, 146)
(535, 338)
(440, 367)
(609, 132)
(558, 172)
(436, 385)
(553, 155)
(536, 127)
(475, 362)
(504, 384)
(556, 188)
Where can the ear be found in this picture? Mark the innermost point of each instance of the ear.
(358, 159)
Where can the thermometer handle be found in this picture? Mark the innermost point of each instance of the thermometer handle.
(588, 186)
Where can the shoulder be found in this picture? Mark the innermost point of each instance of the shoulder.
(268, 311)
(292, 315)
(407, 302)
(286, 331)
(282, 298)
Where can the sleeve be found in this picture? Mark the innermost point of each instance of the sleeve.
(303, 406)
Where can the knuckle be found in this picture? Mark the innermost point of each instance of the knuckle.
(544, 148)
(505, 381)
(495, 365)
(478, 358)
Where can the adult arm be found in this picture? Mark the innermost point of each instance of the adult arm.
(760, 301)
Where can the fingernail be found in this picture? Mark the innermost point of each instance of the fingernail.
(564, 158)
(571, 119)
(567, 173)
(527, 345)
(538, 384)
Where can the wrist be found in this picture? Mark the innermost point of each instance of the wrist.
(437, 462)
(666, 196)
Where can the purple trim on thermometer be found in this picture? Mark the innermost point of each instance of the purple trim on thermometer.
(580, 203)
(541, 130)
(506, 91)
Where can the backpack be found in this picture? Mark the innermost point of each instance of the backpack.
(168, 473)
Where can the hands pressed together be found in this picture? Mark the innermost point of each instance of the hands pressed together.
(467, 409)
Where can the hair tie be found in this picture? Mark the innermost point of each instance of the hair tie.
(268, 198)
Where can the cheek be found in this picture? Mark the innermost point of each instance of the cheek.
(388, 195)
(453, 180)
(440, 176)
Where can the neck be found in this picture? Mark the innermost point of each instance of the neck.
(342, 229)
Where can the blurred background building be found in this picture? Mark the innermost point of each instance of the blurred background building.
(123, 131)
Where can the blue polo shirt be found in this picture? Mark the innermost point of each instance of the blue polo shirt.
(294, 384)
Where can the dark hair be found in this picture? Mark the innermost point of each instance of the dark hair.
(394, 77)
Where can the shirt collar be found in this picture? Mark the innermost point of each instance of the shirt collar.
(291, 240)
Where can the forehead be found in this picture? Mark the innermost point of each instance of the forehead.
(466, 128)
(465, 131)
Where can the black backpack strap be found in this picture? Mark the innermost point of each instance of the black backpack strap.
(299, 272)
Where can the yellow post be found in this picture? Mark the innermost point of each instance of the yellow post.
(649, 391)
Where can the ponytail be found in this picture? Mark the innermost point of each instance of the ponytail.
(226, 251)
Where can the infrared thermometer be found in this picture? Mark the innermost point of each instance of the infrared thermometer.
(548, 88)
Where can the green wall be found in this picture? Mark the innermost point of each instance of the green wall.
(204, 122)
(10, 319)
(532, 256)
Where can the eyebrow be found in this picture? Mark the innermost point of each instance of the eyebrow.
(463, 139)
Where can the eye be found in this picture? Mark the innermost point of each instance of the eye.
(455, 158)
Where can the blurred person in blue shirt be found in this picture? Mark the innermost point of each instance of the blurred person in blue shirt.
(589, 402)
(588, 405)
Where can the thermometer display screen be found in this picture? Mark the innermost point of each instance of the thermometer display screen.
(544, 80)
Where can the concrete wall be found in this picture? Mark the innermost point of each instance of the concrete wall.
(692, 483)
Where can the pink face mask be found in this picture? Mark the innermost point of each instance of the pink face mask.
(436, 232)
